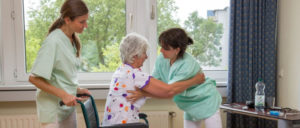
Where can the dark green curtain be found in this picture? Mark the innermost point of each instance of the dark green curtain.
(252, 55)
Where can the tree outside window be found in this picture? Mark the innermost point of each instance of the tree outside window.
(107, 25)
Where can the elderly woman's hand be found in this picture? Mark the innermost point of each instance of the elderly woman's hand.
(135, 95)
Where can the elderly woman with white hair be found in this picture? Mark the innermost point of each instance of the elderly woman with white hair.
(129, 76)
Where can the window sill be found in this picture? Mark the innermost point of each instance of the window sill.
(28, 92)
(99, 91)
(222, 88)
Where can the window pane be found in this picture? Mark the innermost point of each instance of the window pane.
(100, 41)
(207, 23)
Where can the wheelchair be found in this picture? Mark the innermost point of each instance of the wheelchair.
(91, 117)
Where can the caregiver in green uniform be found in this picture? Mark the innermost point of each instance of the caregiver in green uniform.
(54, 72)
(199, 103)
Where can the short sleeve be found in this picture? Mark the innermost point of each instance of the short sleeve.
(141, 79)
(45, 60)
(184, 71)
(156, 71)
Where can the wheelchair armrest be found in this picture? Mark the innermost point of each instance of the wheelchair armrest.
(80, 95)
(144, 117)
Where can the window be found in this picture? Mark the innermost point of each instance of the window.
(207, 23)
(26, 23)
(100, 41)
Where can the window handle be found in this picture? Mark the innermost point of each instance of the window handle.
(152, 15)
(130, 20)
(12, 15)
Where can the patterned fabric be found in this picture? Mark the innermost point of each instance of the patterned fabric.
(117, 109)
(252, 56)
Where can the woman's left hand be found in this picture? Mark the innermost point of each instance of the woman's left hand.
(135, 95)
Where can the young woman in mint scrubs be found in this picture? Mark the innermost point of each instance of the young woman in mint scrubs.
(54, 72)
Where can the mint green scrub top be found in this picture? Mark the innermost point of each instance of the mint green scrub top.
(198, 102)
(57, 63)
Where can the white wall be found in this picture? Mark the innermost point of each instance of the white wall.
(288, 54)
(0, 46)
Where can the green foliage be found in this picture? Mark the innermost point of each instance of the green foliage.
(166, 10)
(205, 32)
(32, 48)
(206, 35)
(106, 27)
(37, 28)
(112, 56)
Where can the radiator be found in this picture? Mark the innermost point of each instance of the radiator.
(19, 121)
(157, 119)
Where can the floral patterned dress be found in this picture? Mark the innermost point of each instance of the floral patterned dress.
(117, 109)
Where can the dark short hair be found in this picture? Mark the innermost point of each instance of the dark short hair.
(175, 38)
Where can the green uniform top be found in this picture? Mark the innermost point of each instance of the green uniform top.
(57, 63)
(199, 101)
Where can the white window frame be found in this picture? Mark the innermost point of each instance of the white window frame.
(137, 20)
(8, 55)
(141, 17)
(20, 42)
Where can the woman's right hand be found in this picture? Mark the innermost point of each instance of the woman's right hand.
(42, 84)
(70, 100)
(135, 95)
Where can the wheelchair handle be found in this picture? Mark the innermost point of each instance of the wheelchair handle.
(61, 103)
(80, 95)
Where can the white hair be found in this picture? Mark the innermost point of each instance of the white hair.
(132, 44)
